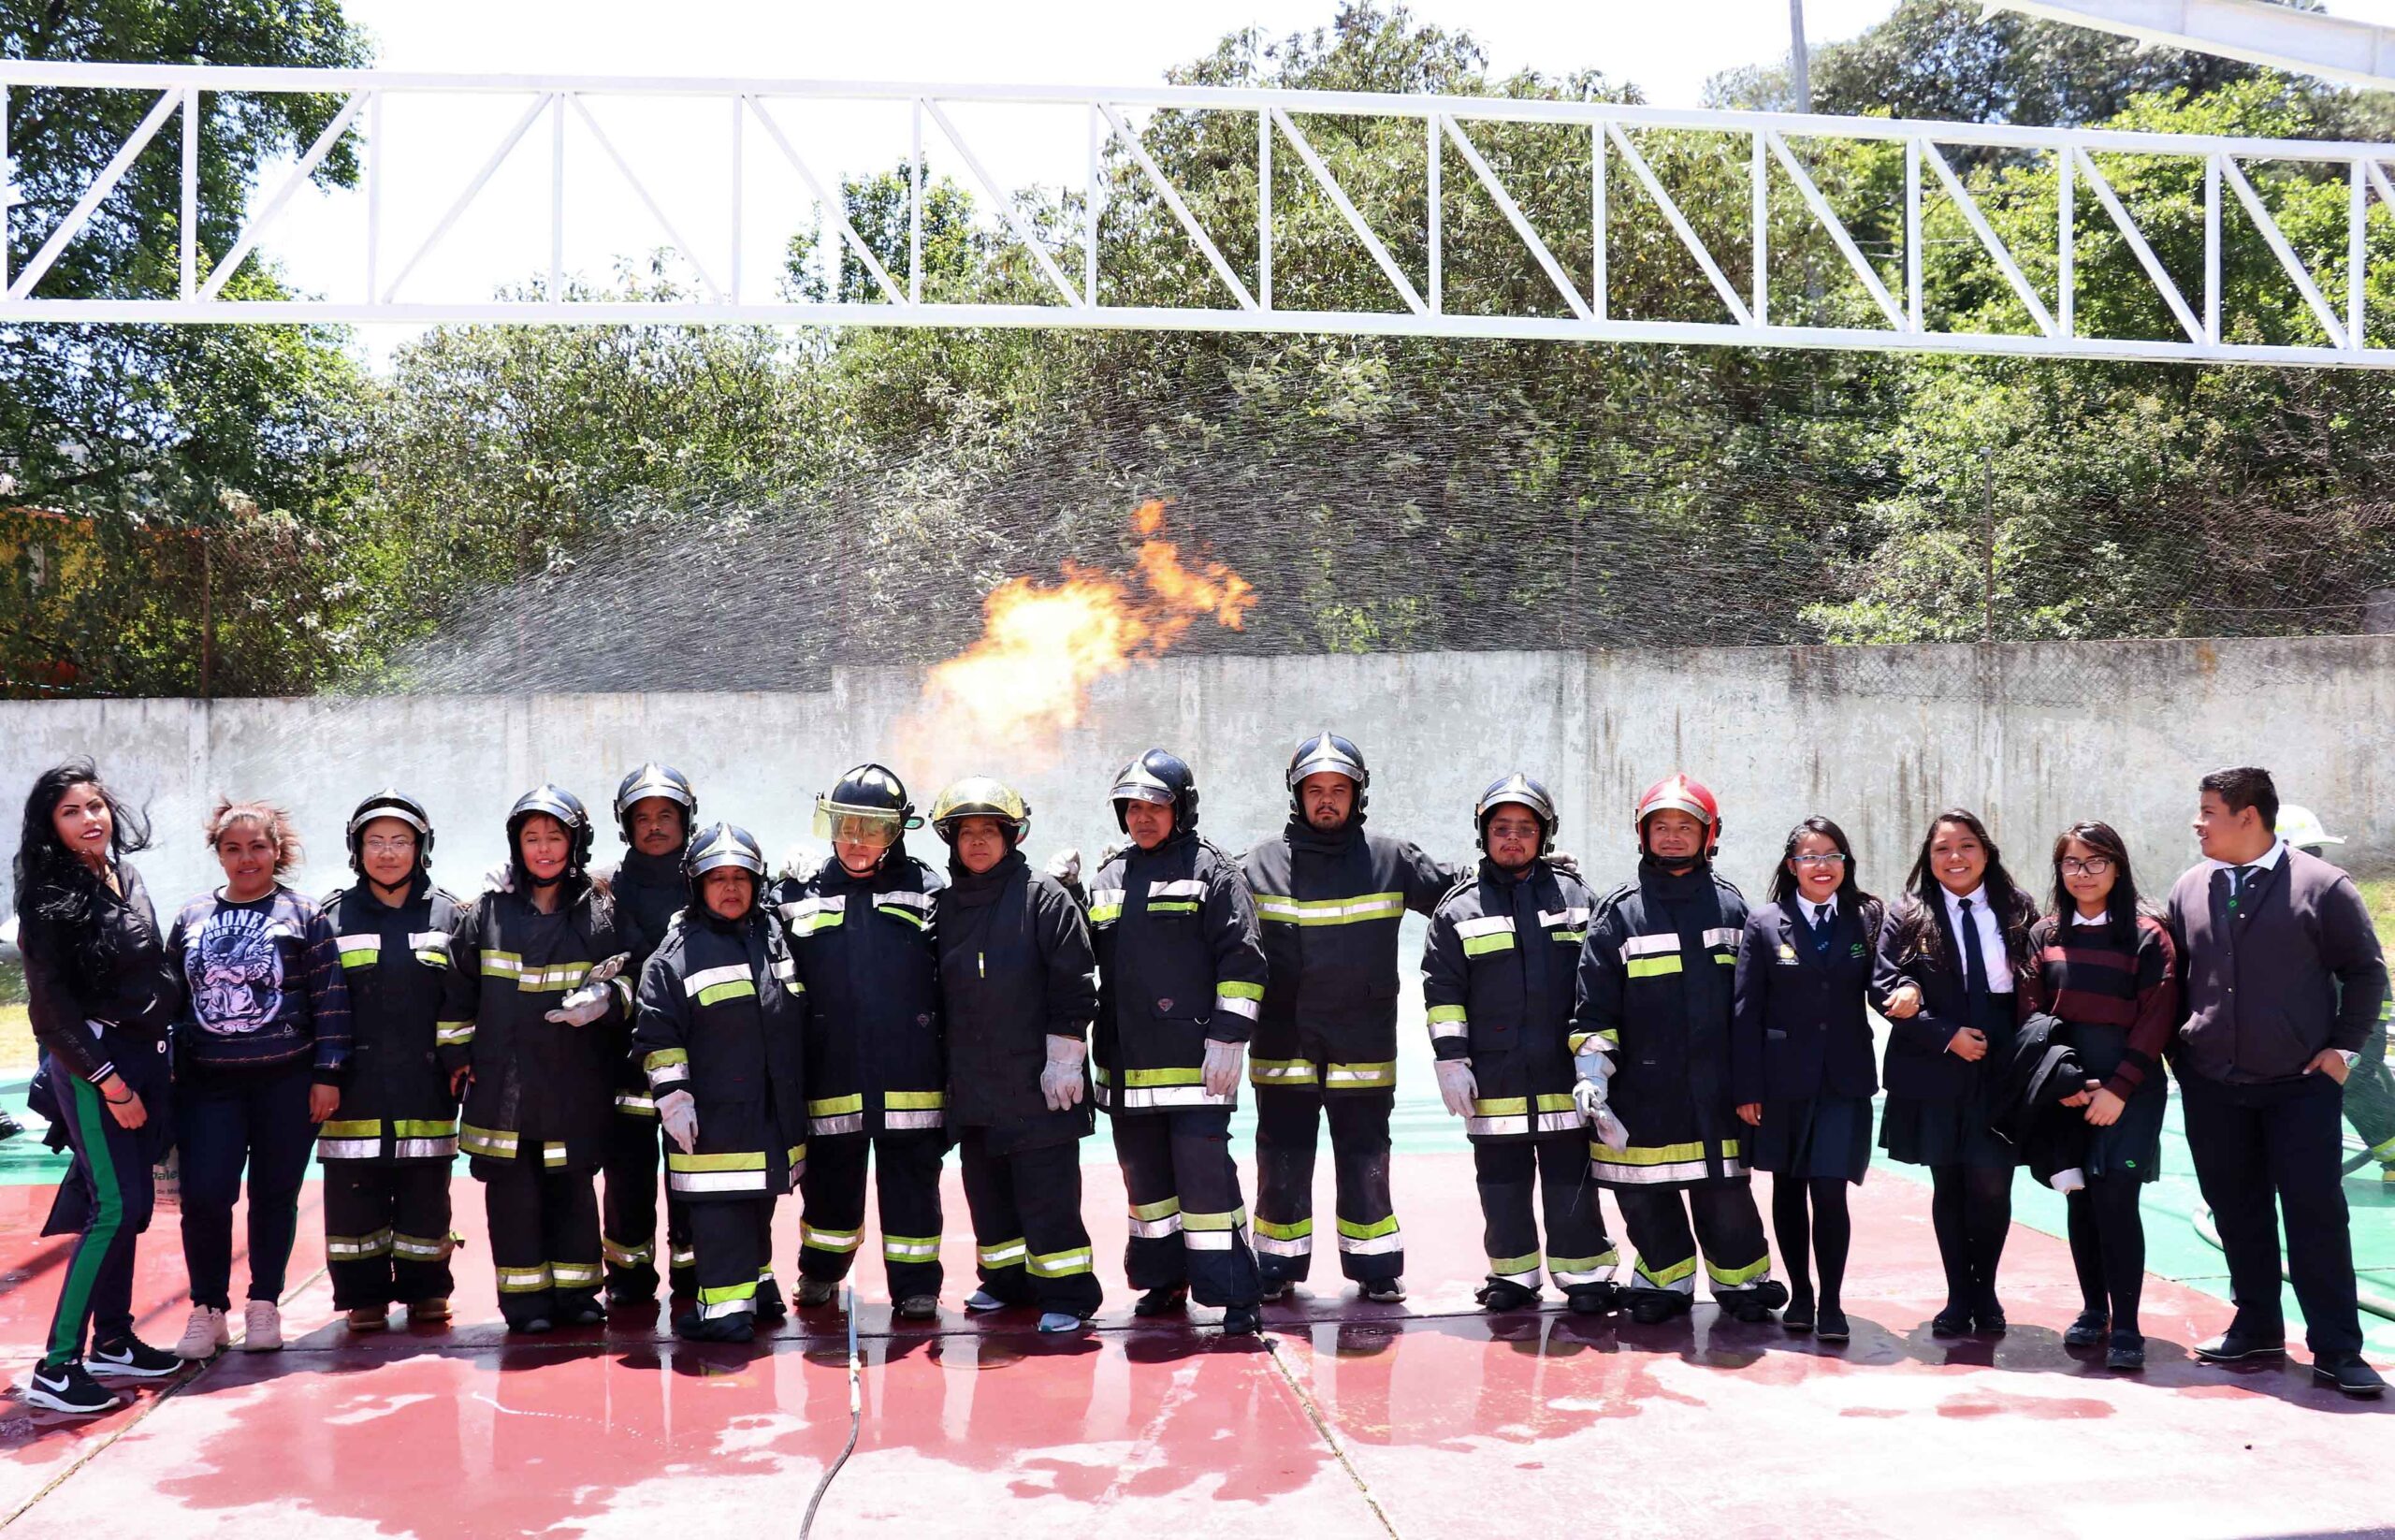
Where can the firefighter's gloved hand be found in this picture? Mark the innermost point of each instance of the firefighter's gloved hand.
(1222, 1067)
(499, 878)
(1611, 1131)
(1593, 1063)
(1457, 1087)
(1564, 862)
(803, 859)
(680, 1115)
(584, 1006)
(1066, 866)
(1060, 1079)
(1590, 1097)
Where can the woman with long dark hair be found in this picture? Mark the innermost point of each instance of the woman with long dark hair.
(101, 994)
(262, 1047)
(1800, 1058)
(2105, 968)
(1950, 963)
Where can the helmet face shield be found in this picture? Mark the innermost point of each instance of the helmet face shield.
(875, 828)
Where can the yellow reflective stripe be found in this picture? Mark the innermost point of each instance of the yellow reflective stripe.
(1297, 1231)
(1662, 1155)
(1445, 1014)
(1162, 1208)
(1005, 1253)
(1676, 1273)
(497, 1142)
(1514, 1266)
(716, 994)
(1330, 911)
(910, 1248)
(366, 955)
(907, 1101)
(1738, 1277)
(834, 1106)
(1349, 1229)
(665, 1056)
(1232, 989)
(1503, 1106)
(1134, 1077)
(753, 1160)
(356, 1129)
(728, 1292)
(1282, 1073)
(1059, 1264)
(1230, 1221)
(1650, 967)
(828, 1239)
(1480, 946)
(1349, 1076)
(453, 1034)
(523, 1280)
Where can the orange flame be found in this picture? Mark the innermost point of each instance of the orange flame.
(1028, 681)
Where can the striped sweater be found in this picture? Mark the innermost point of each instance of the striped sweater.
(2083, 975)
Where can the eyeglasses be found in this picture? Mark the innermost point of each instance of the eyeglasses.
(1834, 858)
(2094, 865)
(390, 845)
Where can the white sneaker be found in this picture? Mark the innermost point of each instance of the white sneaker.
(203, 1334)
(262, 1328)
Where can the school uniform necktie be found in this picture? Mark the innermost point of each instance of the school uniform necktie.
(2238, 881)
(1974, 966)
(1821, 913)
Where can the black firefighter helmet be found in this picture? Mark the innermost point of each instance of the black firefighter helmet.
(1523, 792)
(558, 803)
(1160, 777)
(1327, 754)
(654, 780)
(867, 806)
(720, 845)
(390, 803)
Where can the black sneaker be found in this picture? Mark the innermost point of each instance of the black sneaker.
(131, 1358)
(70, 1388)
(2091, 1329)
(2348, 1374)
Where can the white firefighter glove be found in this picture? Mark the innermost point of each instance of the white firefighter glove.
(1060, 1079)
(1222, 1066)
(585, 1005)
(1066, 866)
(680, 1115)
(1564, 862)
(1589, 1093)
(499, 878)
(803, 859)
(1457, 1087)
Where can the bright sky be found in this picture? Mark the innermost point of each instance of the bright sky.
(680, 151)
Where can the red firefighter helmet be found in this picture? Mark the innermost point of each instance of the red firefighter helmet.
(1678, 791)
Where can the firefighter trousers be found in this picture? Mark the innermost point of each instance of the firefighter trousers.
(1030, 1242)
(1287, 1121)
(1727, 1225)
(628, 1233)
(544, 1237)
(1188, 1226)
(906, 1192)
(1578, 1252)
(733, 1238)
(386, 1232)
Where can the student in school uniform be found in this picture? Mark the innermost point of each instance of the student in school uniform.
(1951, 961)
(1800, 1059)
(2107, 971)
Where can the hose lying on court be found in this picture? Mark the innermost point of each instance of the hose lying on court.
(856, 1415)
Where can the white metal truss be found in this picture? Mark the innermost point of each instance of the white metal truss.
(2305, 43)
(1415, 301)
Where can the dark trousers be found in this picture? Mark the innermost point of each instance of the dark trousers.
(543, 1236)
(1027, 1230)
(227, 1120)
(907, 1188)
(2108, 1249)
(1288, 1119)
(2281, 1141)
(628, 1232)
(1188, 1226)
(386, 1232)
(97, 1289)
(1728, 1227)
(733, 1238)
(1578, 1253)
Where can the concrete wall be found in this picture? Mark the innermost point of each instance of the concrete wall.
(2034, 736)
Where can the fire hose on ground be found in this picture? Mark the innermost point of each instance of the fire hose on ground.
(856, 1415)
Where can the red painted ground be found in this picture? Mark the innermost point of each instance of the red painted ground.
(1428, 1419)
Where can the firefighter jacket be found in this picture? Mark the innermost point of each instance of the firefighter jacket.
(875, 1060)
(722, 1015)
(1014, 970)
(1178, 961)
(1331, 905)
(395, 1100)
(542, 1089)
(648, 892)
(1655, 993)
(1497, 973)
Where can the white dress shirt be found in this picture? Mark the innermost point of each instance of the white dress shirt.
(1992, 956)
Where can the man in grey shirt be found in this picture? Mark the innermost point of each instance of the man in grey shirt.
(2282, 979)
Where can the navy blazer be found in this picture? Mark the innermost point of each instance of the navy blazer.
(1916, 1064)
(1799, 1029)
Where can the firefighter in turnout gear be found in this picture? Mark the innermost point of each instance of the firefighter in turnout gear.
(389, 1148)
(1497, 978)
(1650, 1037)
(721, 1035)
(1017, 998)
(1180, 983)
(535, 1034)
(860, 928)
(1331, 898)
(655, 811)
